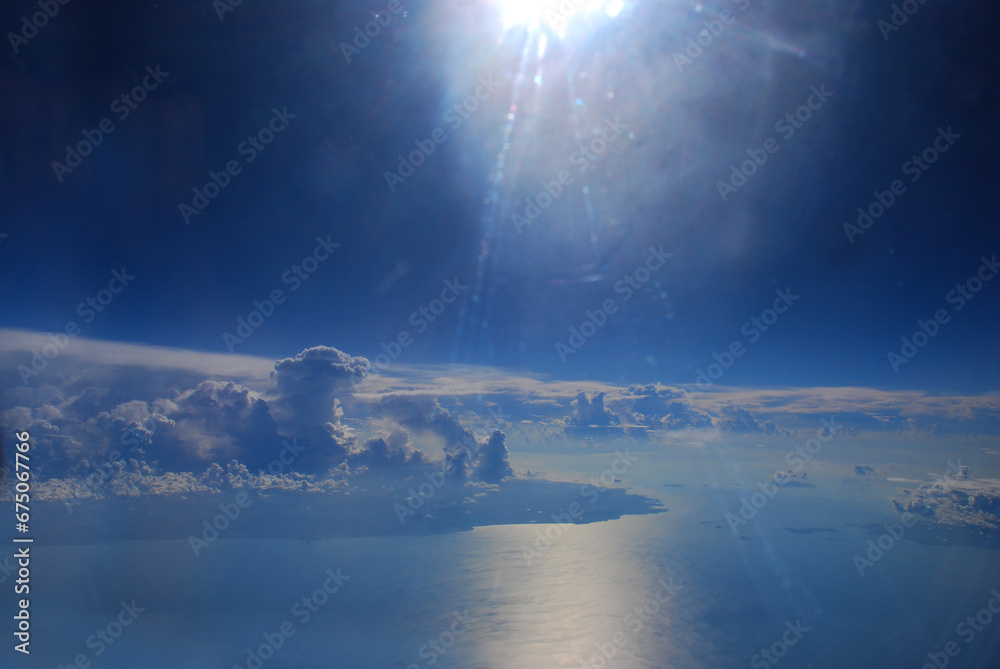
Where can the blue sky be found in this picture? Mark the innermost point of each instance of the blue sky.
(654, 184)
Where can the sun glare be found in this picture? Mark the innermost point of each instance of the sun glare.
(520, 12)
(554, 13)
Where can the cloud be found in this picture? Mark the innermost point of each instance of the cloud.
(662, 407)
(133, 478)
(465, 454)
(493, 464)
(161, 366)
(425, 414)
(306, 401)
(213, 422)
(866, 470)
(963, 502)
(179, 422)
(307, 385)
(735, 419)
(592, 412)
(150, 372)
(182, 411)
(541, 400)
(189, 429)
(394, 450)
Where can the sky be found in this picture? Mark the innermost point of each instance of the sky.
(654, 185)
(412, 278)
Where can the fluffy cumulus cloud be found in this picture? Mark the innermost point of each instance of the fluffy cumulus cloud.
(661, 407)
(213, 422)
(592, 412)
(735, 419)
(738, 419)
(637, 408)
(868, 470)
(959, 501)
(308, 388)
(92, 419)
(186, 430)
(493, 462)
(155, 419)
(466, 455)
(393, 450)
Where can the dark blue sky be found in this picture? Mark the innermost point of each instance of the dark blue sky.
(655, 184)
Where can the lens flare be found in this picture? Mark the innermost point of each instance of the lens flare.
(553, 14)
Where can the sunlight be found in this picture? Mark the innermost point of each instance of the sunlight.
(552, 13)
(520, 12)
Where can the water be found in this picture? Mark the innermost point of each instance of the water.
(568, 608)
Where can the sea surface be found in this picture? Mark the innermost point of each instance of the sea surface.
(705, 598)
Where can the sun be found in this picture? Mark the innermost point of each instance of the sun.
(520, 12)
(555, 13)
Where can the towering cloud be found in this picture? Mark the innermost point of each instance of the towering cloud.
(307, 384)
(465, 454)
(306, 401)
(587, 412)
(493, 463)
